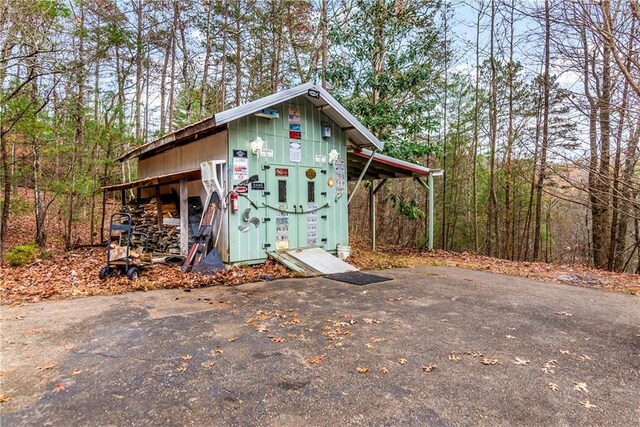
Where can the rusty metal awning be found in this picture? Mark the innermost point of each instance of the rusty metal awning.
(189, 175)
(381, 166)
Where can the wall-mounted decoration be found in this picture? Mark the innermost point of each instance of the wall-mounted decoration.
(338, 169)
(294, 115)
(310, 173)
(240, 189)
(266, 152)
(268, 113)
(295, 127)
(330, 182)
(282, 172)
(314, 93)
(257, 186)
(333, 156)
(282, 233)
(295, 134)
(295, 151)
(325, 130)
(240, 165)
(312, 224)
(321, 158)
(256, 145)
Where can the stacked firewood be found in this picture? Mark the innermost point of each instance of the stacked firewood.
(159, 240)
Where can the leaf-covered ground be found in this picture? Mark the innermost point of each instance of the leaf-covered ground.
(74, 274)
(574, 274)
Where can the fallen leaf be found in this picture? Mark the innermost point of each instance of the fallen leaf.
(186, 357)
(59, 387)
(4, 398)
(46, 367)
(183, 367)
(521, 362)
(585, 357)
(587, 404)
(384, 370)
(208, 364)
(218, 351)
(362, 370)
(563, 313)
(454, 357)
(474, 353)
(511, 337)
(553, 386)
(429, 368)
(316, 360)
(486, 361)
(75, 372)
(277, 339)
(402, 361)
(353, 322)
(564, 351)
(232, 339)
(581, 387)
(369, 321)
(369, 345)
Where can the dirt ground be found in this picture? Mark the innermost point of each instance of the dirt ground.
(433, 346)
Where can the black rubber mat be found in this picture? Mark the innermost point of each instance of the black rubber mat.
(357, 278)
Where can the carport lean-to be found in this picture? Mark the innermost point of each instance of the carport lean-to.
(300, 147)
(369, 165)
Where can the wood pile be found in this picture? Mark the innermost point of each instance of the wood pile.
(159, 240)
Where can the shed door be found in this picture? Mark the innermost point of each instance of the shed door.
(282, 205)
(312, 197)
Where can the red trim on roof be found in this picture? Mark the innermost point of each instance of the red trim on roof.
(388, 160)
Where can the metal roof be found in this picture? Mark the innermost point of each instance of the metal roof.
(359, 135)
(152, 181)
(382, 166)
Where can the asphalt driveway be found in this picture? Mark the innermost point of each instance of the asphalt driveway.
(434, 346)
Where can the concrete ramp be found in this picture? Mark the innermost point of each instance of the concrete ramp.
(312, 262)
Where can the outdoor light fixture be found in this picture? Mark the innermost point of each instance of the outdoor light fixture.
(333, 156)
(256, 145)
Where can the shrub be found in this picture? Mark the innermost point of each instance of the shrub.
(22, 255)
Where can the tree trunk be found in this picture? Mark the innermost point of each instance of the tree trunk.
(476, 125)
(207, 59)
(507, 169)
(492, 215)
(172, 82)
(545, 133)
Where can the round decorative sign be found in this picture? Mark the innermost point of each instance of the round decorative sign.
(311, 173)
(330, 182)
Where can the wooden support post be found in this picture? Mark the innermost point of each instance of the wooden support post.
(184, 217)
(372, 209)
(123, 197)
(158, 206)
(372, 215)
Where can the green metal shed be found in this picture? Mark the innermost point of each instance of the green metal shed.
(300, 146)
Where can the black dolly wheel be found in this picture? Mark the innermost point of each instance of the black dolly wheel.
(133, 273)
(104, 272)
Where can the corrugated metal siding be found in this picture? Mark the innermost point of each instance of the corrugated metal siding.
(185, 157)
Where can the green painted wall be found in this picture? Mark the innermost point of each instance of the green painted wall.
(249, 246)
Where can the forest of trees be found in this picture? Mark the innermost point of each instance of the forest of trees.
(531, 108)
